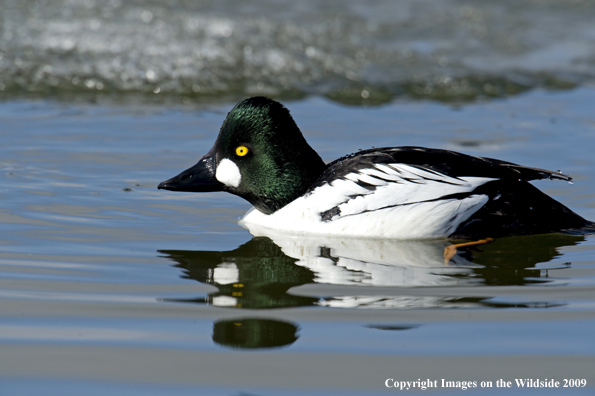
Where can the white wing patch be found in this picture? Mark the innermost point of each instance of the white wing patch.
(397, 184)
(385, 201)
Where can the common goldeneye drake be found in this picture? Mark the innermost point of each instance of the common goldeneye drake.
(393, 192)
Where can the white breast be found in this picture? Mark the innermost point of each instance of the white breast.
(396, 201)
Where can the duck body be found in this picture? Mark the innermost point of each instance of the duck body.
(394, 192)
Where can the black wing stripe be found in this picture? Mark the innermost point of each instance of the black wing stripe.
(329, 215)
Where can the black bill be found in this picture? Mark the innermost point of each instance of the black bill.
(199, 178)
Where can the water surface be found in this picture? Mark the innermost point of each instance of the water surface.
(108, 283)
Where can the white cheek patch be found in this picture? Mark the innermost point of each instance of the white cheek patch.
(228, 173)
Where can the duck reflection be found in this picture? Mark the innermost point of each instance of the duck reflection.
(259, 273)
(255, 275)
(252, 333)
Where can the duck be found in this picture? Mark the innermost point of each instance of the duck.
(403, 193)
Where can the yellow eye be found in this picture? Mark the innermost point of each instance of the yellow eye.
(241, 151)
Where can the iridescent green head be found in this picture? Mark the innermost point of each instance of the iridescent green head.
(259, 155)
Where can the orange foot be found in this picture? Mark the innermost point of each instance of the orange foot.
(451, 250)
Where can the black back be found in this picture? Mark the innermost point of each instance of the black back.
(446, 162)
(515, 207)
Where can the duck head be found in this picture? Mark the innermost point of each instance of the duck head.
(259, 155)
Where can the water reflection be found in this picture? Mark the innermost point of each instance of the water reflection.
(252, 333)
(259, 273)
(255, 275)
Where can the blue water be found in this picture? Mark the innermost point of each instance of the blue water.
(108, 283)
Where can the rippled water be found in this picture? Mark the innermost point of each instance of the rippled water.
(108, 285)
